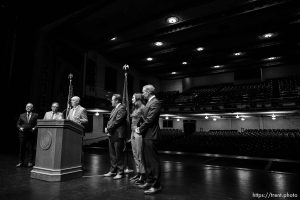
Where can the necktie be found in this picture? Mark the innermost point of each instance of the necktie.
(52, 115)
(28, 117)
(73, 113)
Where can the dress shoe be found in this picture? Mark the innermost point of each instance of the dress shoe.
(29, 164)
(140, 182)
(152, 190)
(135, 177)
(118, 176)
(144, 186)
(20, 165)
(109, 174)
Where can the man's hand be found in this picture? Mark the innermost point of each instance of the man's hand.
(137, 130)
(107, 133)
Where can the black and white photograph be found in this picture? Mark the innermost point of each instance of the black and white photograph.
(150, 99)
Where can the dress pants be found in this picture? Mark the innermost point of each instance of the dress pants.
(116, 154)
(27, 146)
(152, 163)
(137, 151)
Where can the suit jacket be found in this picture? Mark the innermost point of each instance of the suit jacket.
(49, 116)
(116, 126)
(80, 115)
(150, 127)
(27, 125)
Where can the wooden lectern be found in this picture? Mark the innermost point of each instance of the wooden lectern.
(58, 150)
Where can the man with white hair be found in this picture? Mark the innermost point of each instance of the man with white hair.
(78, 113)
(149, 129)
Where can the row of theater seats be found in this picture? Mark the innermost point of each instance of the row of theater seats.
(288, 87)
(170, 134)
(232, 94)
(274, 143)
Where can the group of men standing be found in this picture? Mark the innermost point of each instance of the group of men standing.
(27, 126)
(148, 129)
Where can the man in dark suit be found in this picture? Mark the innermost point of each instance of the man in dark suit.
(116, 129)
(27, 135)
(149, 129)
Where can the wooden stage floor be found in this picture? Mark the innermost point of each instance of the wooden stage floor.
(183, 177)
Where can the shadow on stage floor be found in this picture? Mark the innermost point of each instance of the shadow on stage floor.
(183, 177)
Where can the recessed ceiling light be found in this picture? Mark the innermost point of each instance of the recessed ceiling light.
(97, 114)
(271, 58)
(200, 49)
(178, 119)
(158, 44)
(149, 59)
(238, 53)
(184, 63)
(172, 20)
(237, 116)
(114, 38)
(215, 119)
(206, 117)
(267, 35)
(217, 66)
(174, 73)
(167, 117)
(243, 119)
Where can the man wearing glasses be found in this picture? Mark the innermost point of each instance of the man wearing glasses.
(54, 114)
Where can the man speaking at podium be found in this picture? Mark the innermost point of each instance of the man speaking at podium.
(77, 113)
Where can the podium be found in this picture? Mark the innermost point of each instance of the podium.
(58, 150)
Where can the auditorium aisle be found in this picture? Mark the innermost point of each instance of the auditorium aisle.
(183, 177)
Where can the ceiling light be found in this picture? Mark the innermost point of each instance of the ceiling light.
(268, 35)
(178, 119)
(237, 116)
(114, 38)
(206, 117)
(271, 58)
(167, 117)
(97, 114)
(174, 73)
(215, 119)
(158, 44)
(172, 20)
(200, 49)
(243, 119)
(217, 66)
(149, 59)
(184, 63)
(273, 117)
(238, 53)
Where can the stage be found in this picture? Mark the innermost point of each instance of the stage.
(184, 176)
